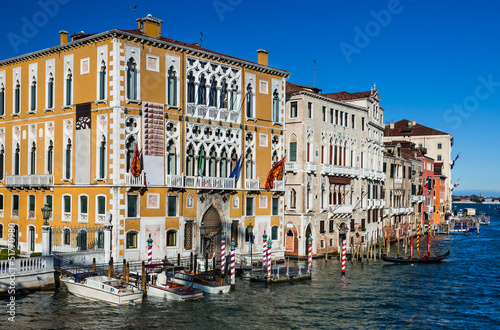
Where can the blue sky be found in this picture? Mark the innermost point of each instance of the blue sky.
(436, 62)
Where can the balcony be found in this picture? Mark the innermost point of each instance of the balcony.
(133, 181)
(340, 209)
(175, 181)
(207, 182)
(376, 203)
(311, 167)
(401, 210)
(37, 181)
(211, 112)
(379, 175)
(279, 186)
(417, 199)
(253, 184)
(291, 167)
(398, 180)
(326, 169)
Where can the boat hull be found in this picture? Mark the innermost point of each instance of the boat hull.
(173, 294)
(205, 288)
(84, 291)
(415, 260)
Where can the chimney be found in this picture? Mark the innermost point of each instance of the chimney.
(63, 35)
(391, 126)
(262, 56)
(413, 123)
(150, 26)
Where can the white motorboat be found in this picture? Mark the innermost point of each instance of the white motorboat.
(102, 288)
(163, 288)
(205, 282)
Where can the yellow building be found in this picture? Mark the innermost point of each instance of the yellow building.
(72, 115)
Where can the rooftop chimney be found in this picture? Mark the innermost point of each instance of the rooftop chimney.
(391, 126)
(262, 56)
(150, 26)
(63, 35)
(413, 123)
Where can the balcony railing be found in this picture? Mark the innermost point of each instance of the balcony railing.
(311, 167)
(29, 181)
(175, 181)
(401, 210)
(279, 185)
(291, 167)
(253, 184)
(211, 112)
(207, 182)
(417, 199)
(398, 180)
(376, 203)
(133, 181)
(340, 208)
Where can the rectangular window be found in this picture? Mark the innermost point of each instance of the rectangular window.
(234, 232)
(384, 168)
(293, 151)
(83, 204)
(293, 110)
(274, 233)
(440, 146)
(336, 117)
(249, 206)
(322, 226)
(172, 206)
(439, 158)
(392, 171)
(132, 240)
(101, 205)
(331, 228)
(1, 202)
(309, 110)
(323, 113)
(353, 119)
(276, 202)
(132, 206)
(331, 116)
(2, 102)
(15, 205)
(33, 97)
(362, 123)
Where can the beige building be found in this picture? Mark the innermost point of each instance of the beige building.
(334, 175)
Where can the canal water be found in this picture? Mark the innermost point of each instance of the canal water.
(462, 292)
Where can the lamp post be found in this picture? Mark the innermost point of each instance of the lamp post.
(46, 243)
(250, 234)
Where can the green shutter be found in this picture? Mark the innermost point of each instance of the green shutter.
(293, 151)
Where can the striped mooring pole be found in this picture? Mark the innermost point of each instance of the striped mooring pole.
(344, 250)
(309, 254)
(150, 250)
(418, 239)
(411, 247)
(233, 261)
(429, 238)
(223, 254)
(269, 245)
(264, 250)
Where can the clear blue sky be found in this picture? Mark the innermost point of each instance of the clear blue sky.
(436, 62)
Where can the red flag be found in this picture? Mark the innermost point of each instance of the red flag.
(276, 172)
(136, 167)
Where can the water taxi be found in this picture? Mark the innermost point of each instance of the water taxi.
(205, 282)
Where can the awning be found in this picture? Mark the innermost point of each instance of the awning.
(339, 180)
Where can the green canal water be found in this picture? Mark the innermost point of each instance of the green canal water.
(462, 292)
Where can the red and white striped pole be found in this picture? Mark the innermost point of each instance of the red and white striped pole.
(269, 245)
(150, 250)
(264, 250)
(418, 238)
(429, 239)
(233, 261)
(223, 254)
(309, 254)
(411, 247)
(344, 251)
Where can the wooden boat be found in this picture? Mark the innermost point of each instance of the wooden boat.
(111, 290)
(205, 282)
(166, 289)
(423, 260)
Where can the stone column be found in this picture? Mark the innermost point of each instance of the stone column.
(46, 240)
(107, 241)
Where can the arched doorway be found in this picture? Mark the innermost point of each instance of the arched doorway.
(308, 233)
(289, 243)
(213, 232)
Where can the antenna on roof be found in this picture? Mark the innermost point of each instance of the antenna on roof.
(314, 81)
(201, 39)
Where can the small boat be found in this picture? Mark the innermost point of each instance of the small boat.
(166, 289)
(458, 230)
(207, 283)
(111, 290)
(423, 260)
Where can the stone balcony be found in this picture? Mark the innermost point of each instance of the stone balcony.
(211, 112)
(311, 167)
(401, 210)
(337, 170)
(376, 203)
(340, 208)
(417, 199)
(32, 181)
(291, 167)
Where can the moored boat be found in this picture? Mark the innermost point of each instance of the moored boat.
(110, 290)
(423, 260)
(166, 289)
(458, 230)
(205, 282)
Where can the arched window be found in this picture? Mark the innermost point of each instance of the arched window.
(249, 165)
(101, 208)
(84, 208)
(32, 238)
(102, 81)
(1, 226)
(274, 158)
(331, 152)
(66, 236)
(67, 165)
(234, 96)
(309, 196)
(172, 87)
(2, 100)
(190, 161)
(323, 196)
(223, 165)
(274, 233)
(15, 206)
(31, 206)
(33, 95)
(131, 79)
(17, 97)
(100, 239)
(33, 159)
(171, 158)
(190, 88)
(202, 99)
(293, 148)
(293, 199)
(67, 207)
(223, 94)
(201, 161)
(276, 106)
(81, 240)
(69, 84)
(17, 159)
(50, 92)
(130, 148)
(249, 102)
(50, 158)
(212, 96)
(131, 240)
(234, 160)
(172, 238)
(102, 158)
(212, 163)
(2, 159)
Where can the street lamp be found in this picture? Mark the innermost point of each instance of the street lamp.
(250, 234)
(46, 214)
